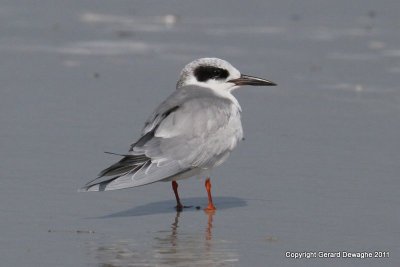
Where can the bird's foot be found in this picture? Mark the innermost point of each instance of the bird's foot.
(210, 208)
(180, 207)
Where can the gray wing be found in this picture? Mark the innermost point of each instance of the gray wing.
(193, 128)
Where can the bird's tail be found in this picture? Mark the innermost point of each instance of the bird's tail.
(128, 165)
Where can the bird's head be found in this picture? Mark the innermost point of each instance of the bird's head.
(216, 74)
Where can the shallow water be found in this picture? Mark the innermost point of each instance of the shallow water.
(318, 170)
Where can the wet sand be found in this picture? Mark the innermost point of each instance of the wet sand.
(318, 170)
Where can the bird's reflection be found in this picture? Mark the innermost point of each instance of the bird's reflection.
(173, 247)
(209, 224)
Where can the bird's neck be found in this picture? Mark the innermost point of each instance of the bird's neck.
(228, 95)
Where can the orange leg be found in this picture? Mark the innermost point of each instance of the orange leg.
(210, 206)
(179, 205)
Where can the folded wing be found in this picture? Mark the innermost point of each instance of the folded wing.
(192, 129)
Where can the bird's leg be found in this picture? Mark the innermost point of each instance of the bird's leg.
(179, 206)
(210, 206)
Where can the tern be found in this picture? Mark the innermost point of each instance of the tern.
(192, 131)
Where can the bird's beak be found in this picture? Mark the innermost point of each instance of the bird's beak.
(251, 80)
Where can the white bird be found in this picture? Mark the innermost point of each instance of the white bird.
(192, 131)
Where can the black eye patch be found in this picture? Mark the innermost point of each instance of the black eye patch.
(204, 73)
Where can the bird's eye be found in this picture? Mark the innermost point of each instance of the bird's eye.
(216, 72)
(204, 73)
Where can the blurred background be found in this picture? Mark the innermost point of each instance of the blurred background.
(318, 170)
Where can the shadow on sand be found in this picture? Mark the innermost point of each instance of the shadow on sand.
(160, 207)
